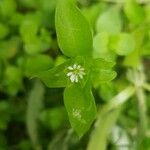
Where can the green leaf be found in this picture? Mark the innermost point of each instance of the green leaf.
(134, 11)
(101, 47)
(9, 48)
(109, 21)
(7, 7)
(123, 44)
(37, 64)
(91, 13)
(100, 63)
(54, 118)
(4, 30)
(12, 79)
(73, 31)
(102, 71)
(80, 106)
(104, 126)
(103, 76)
(34, 106)
(55, 77)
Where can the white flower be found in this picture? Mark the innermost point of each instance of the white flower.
(75, 72)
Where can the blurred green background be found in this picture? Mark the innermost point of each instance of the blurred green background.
(33, 116)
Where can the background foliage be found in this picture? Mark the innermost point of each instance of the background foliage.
(33, 116)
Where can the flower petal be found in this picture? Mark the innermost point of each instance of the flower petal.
(70, 68)
(69, 74)
(72, 78)
(74, 66)
(76, 78)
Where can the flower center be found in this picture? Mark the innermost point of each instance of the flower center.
(75, 72)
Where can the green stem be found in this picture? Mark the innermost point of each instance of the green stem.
(142, 114)
(119, 99)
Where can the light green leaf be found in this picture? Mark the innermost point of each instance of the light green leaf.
(91, 13)
(109, 21)
(123, 44)
(80, 106)
(73, 31)
(134, 11)
(100, 63)
(100, 43)
(102, 71)
(101, 47)
(103, 76)
(37, 64)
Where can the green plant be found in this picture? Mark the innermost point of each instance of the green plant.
(93, 57)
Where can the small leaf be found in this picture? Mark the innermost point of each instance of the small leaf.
(100, 63)
(37, 64)
(103, 76)
(80, 106)
(134, 11)
(55, 77)
(123, 44)
(109, 21)
(12, 79)
(73, 30)
(9, 48)
(54, 118)
(101, 47)
(102, 71)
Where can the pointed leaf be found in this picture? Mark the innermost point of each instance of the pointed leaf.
(55, 77)
(73, 30)
(80, 106)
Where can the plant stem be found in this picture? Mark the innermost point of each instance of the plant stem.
(142, 114)
(119, 99)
